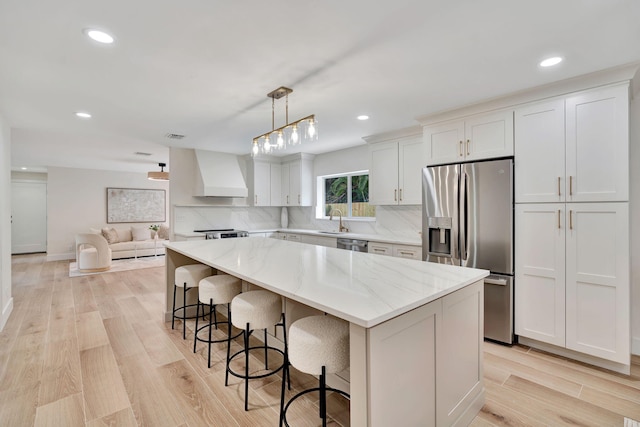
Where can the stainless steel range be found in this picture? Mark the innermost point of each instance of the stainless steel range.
(225, 233)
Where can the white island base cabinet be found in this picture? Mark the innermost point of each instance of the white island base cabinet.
(434, 351)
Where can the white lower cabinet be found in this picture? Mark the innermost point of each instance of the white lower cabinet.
(329, 242)
(572, 277)
(398, 251)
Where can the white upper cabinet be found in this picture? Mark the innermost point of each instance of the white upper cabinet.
(275, 189)
(574, 149)
(261, 178)
(394, 172)
(539, 152)
(297, 181)
(597, 145)
(481, 136)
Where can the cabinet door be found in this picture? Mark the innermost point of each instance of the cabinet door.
(276, 184)
(295, 176)
(261, 184)
(598, 280)
(444, 143)
(488, 135)
(380, 248)
(540, 272)
(539, 152)
(597, 153)
(286, 194)
(383, 174)
(410, 163)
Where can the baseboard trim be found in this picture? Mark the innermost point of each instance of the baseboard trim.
(635, 346)
(6, 312)
(581, 357)
(61, 257)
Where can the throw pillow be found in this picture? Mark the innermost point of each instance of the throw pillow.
(110, 234)
(95, 231)
(124, 235)
(140, 233)
(163, 232)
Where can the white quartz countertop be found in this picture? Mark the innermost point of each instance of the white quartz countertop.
(362, 288)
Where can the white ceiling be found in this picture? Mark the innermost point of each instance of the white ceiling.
(202, 68)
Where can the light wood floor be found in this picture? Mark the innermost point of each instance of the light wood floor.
(93, 351)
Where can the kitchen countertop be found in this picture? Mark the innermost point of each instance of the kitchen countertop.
(361, 288)
(402, 240)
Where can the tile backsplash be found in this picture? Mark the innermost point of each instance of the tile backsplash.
(390, 220)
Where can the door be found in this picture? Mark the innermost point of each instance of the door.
(598, 145)
(486, 215)
(598, 280)
(440, 186)
(488, 135)
(28, 217)
(261, 184)
(383, 174)
(276, 184)
(539, 152)
(411, 160)
(540, 272)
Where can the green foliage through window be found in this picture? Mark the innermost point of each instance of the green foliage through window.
(348, 194)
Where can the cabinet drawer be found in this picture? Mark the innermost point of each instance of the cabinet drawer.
(380, 249)
(406, 251)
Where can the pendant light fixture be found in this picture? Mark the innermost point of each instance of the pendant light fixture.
(159, 176)
(304, 129)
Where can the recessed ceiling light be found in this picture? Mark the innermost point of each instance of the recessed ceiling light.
(550, 62)
(99, 36)
(363, 117)
(83, 115)
(23, 168)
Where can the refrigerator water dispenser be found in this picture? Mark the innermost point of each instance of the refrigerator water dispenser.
(439, 236)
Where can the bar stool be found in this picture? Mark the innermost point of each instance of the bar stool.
(187, 277)
(214, 290)
(257, 310)
(318, 345)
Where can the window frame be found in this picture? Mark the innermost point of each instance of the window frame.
(321, 196)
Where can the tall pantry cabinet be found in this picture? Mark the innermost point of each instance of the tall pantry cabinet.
(572, 223)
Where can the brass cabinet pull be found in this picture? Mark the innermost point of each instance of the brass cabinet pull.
(256, 199)
(406, 253)
(570, 220)
(558, 219)
(468, 145)
(571, 186)
(460, 151)
(378, 250)
(287, 199)
(559, 194)
(298, 199)
(395, 195)
(401, 194)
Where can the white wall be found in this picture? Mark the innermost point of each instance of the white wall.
(77, 201)
(634, 217)
(6, 301)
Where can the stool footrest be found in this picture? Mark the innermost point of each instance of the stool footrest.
(251, 377)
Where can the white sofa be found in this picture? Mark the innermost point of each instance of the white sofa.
(133, 242)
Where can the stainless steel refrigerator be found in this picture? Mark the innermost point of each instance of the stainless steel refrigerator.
(467, 220)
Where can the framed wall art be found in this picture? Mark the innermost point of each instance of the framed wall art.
(135, 205)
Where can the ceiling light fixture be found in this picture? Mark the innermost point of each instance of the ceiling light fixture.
(363, 117)
(550, 62)
(304, 129)
(99, 36)
(159, 176)
(83, 114)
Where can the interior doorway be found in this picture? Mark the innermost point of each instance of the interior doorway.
(28, 217)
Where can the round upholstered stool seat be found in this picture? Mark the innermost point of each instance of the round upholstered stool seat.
(257, 310)
(187, 277)
(214, 290)
(318, 345)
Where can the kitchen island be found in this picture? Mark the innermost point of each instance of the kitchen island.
(416, 328)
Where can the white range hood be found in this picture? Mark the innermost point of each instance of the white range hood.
(219, 175)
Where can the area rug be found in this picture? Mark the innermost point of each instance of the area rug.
(122, 265)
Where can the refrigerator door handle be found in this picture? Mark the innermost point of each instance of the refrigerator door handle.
(463, 215)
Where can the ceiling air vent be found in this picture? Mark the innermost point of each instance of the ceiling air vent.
(174, 136)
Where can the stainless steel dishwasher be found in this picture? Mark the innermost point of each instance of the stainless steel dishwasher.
(353, 244)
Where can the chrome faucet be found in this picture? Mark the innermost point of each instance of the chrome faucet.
(341, 228)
